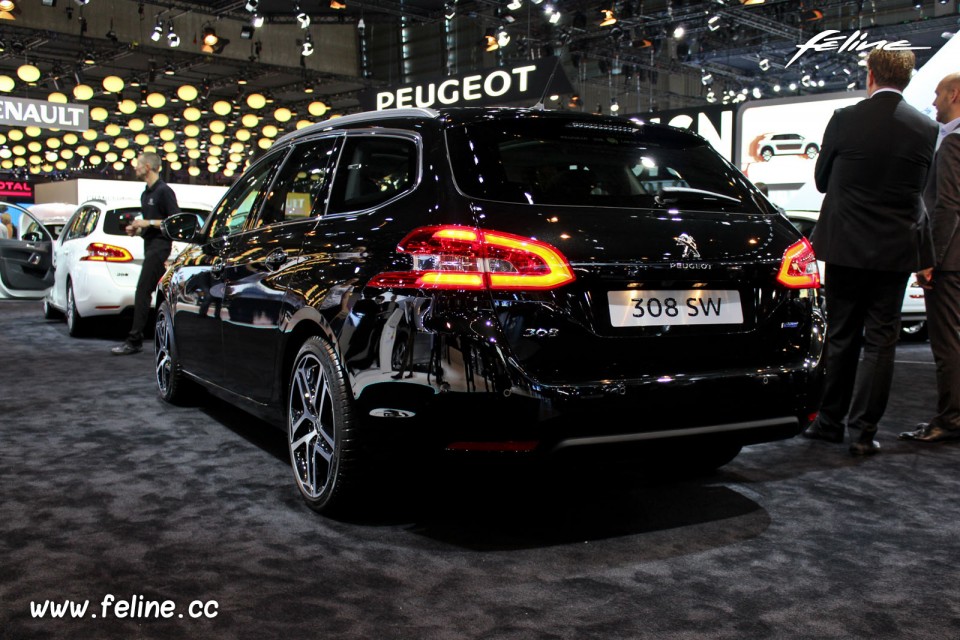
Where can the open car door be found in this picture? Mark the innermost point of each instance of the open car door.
(26, 262)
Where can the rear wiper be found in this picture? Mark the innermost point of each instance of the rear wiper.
(679, 191)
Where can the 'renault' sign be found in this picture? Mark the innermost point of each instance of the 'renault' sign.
(517, 86)
(22, 112)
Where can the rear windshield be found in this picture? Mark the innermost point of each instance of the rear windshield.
(115, 221)
(566, 162)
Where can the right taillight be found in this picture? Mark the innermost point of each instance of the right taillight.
(798, 269)
(455, 257)
(102, 252)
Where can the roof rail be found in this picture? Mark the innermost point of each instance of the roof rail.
(363, 116)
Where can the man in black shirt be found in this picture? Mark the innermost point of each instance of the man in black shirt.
(157, 202)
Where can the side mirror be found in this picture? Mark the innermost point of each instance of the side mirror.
(32, 236)
(185, 227)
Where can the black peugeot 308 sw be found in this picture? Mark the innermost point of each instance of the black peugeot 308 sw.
(493, 280)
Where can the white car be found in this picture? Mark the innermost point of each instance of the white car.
(52, 215)
(26, 271)
(96, 264)
(913, 313)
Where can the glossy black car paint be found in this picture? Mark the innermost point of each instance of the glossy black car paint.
(470, 369)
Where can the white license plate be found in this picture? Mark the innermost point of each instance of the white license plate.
(649, 307)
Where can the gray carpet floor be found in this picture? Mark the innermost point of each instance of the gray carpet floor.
(105, 490)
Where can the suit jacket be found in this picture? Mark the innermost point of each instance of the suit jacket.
(873, 166)
(942, 199)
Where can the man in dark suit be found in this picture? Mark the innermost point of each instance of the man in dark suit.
(941, 275)
(872, 166)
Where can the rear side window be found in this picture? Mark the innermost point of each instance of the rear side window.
(596, 164)
(372, 170)
(83, 223)
(300, 188)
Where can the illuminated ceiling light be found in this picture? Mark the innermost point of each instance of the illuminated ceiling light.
(553, 14)
(7, 5)
(490, 41)
(303, 20)
(706, 78)
(256, 101)
(450, 10)
(99, 114)
(160, 119)
(252, 5)
(757, 93)
(256, 21)
(614, 105)
(210, 37)
(679, 32)
(307, 88)
(503, 38)
(514, 5)
(113, 84)
(713, 23)
(169, 70)
(28, 73)
(191, 131)
(282, 114)
(173, 40)
(764, 64)
(127, 106)
(156, 100)
(336, 4)
(7, 83)
(222, 107)
(187, 92)
(608, 18)
(58, 97)
(217, 126)
(246, 31)
(157, 30)
(136, 125)
(89, 58)
(83, 92)
(317, 108)
(748, 3)
(248, 120)
(811, 15)
(306, 48)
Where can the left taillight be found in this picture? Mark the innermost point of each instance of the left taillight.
(455, 257)
(798, 269)
(102, 252)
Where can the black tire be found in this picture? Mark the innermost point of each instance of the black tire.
(766, 154)
(50, 312)
(76, 325)
(172, 384)
(811, 151)
(322, 434)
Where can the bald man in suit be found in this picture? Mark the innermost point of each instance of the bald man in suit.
(872, 166)
(941, 277)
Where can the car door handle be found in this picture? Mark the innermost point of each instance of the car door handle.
(276, 258)
(216, 269)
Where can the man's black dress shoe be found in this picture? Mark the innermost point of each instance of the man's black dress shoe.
(865, 447)
(816, 431)
(927, 433)
(126, 349)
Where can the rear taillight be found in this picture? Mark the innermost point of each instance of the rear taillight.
(453, 257)
(799, 270)
(101, 252)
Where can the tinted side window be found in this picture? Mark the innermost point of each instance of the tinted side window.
(83, 223)
(372, 170)
(244, 198)
(300, 187)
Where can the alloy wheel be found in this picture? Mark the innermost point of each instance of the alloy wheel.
(312, 438)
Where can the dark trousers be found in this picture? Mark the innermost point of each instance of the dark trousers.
(155, 254)
(943, 323)
(863, 314)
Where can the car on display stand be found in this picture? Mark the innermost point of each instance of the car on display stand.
(26, 262)
(96, 265)
(913, 313)
(487, 282)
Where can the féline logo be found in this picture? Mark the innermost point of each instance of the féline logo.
(857, 41)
